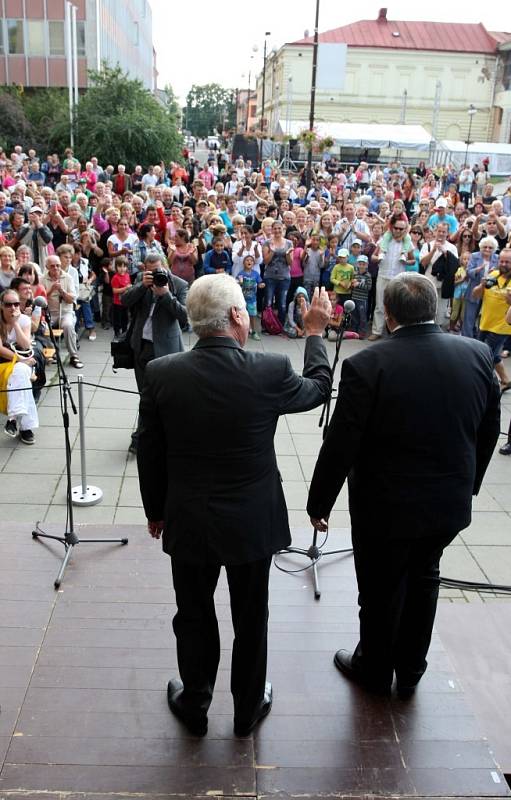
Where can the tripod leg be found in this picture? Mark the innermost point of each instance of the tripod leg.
(58, 579)
(315, 577)
(104, 541)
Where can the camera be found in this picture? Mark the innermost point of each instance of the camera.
(490, 283)
(160, 277)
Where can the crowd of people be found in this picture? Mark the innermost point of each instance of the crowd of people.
(89, 239)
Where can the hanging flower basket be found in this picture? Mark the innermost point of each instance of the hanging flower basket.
(325, 144)
(308, 138)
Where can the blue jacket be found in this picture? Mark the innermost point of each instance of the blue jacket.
(474, 278)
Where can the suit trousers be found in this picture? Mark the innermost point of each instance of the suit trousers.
(197, 637)
(398, 583)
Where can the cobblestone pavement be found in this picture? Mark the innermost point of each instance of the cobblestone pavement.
(33, 480)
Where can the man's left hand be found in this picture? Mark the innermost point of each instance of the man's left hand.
(319, 524)
(155, 528)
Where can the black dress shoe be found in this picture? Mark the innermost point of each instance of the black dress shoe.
(245, 729)
(505, 450)
(344, 663)
(196, 723)
(405, 692)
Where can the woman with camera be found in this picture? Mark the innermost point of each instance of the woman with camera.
(16, 345)
(480, 265)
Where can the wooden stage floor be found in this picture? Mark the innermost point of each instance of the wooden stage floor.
(83, 675)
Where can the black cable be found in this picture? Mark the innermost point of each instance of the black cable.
(475, 586)
(302, 569)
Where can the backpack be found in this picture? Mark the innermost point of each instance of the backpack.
(270, 322)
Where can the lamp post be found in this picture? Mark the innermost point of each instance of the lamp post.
(263, 97)
(313, 95)
(472, 110)
(254, 50)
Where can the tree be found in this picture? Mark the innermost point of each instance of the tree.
(14, 125)
(208, 108)
(121, 122)
(171, 104)
(47, 111)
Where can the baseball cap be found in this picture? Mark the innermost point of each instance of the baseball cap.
(343, 253)
(356, 241)
(364, 259)
(441, 203)
(212, 193)
(36, 208)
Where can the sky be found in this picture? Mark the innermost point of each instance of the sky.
(211, 42)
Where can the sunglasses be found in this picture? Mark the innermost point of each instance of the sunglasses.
(396, 228)
(11, 305)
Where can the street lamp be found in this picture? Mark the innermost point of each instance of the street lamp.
(267, 33)
(254, 50)
(308, 175)
(471, 111)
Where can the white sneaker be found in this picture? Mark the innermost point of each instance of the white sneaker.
(92, 337)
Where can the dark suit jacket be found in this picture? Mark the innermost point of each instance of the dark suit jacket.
(206, 459)
(415, 425)
(168, 315)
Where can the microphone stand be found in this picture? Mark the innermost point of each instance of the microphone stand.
(70, 538)
(315, 553)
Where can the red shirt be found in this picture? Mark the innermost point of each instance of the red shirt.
(119, 281)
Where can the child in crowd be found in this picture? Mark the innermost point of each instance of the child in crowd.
(294, 325)
(246, 246)
(460, 288)
(119, 282)
(329, 260)
(355, 250)
(296, 267)
(250, 280)
(312, 260)
(361, 286)
(183, 256)
(336, 316)
(342, 276)
(107, 271)
(218, 259)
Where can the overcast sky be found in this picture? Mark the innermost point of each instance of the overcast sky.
(211, 42)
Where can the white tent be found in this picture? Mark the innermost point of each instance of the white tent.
(354, 134)
(499, 153)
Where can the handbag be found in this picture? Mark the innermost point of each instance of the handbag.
(122, 352)
(84, 292)
(6, 368)
(270, 322)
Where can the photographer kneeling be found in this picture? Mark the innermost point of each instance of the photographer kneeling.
(157, 302)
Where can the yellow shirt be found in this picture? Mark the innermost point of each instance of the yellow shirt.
(341, 277)
(495, 306)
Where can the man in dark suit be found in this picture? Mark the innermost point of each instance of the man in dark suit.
(159, 312)
(210, 483)
(414, 428)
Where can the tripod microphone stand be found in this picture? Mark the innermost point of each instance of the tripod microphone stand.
(315, 552)
(70, 538)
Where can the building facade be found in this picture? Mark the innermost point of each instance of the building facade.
(33, 40)
(398, 72)
(246, 110)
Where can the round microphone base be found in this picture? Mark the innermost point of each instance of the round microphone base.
(91, 497)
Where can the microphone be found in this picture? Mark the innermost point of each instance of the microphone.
(349, 306)
(40, 302)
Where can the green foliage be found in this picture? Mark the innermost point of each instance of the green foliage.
(37, 118)
(121, 122)
(209, 107)
(48, 113)
(14, 125)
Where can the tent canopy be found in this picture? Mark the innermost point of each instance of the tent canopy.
(499, 153)
(354, 134)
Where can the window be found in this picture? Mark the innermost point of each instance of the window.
(35, 38)
(135, 34)
(80, 38)
(253, 110)
(56, 35)
(15, 36)
(1, 38)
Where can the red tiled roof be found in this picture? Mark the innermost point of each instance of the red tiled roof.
(444, 36)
